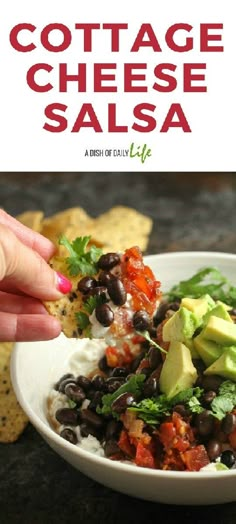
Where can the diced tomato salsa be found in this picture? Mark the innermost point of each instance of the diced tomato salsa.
(139, 281)
(171, 447)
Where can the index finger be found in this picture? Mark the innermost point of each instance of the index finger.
(30, 238)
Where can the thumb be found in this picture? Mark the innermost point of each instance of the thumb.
(24, 269)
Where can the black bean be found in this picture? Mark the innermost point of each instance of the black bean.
(174, 306)
(104, 315)
(67, 416)
(86, 284)
(154, 357)
(207, 398)
(121, 403)
(204, 423)
(105, 277)
(111, 448)
(150, 387)
(64, 383)
(119, 372)
(108, 261)
(113, 429)
(228, 423)
(117, 292)
(91, 418)
(146, 370)
(199, 365)
(96, 400)
(102, 364)
(75, 393)
(160, 313)
(70, 435)
(97, 292)
(182, 410)
(64, 377)
(98, 382)
(227, 458)
(135, 362)
(113, 383)
(213, 448)
(86, 430)
(211, 382)
(141, 320)
(83, 382)
(152, 331)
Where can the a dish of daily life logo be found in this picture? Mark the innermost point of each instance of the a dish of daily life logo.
(103, 88)
(140, 152)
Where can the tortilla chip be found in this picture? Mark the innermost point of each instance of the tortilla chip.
(119, 228)
(72, 222)
(13, 420)
(65, 308)
(32, 219)
(5, 352)
(116, 230)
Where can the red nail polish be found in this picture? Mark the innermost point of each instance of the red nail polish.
(63, 284)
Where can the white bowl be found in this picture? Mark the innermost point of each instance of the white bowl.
(36, 366)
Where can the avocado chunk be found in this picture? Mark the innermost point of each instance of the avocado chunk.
(178, 372)
(189, 342)
(180, 326)
(220, 331)
(225, 365)
(208, 350)
(199, 306)
(226, 306)
(218, 311)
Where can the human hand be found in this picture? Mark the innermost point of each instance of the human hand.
(25, 280)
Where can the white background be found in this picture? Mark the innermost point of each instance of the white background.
(26, 146)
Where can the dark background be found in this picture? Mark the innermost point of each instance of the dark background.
(194, 211)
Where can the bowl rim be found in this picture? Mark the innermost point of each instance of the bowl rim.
(105, 462)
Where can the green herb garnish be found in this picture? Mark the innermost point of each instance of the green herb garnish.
(82, 317)
(225, 401)
(189, 397)
(133, 385)
(209, 281)
(152, 410)
(82, 320)
(93, 302)
(145, 334)
(81, 261)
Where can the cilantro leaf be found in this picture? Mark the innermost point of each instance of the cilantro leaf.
(133, 385)
(221, 405)
(186, 395)
(209, 281)
(194, 405)
(82, 320)
(81, 260)
(146, 335)
(189, 397)
(94, 301)
(225, 401)
(151, 410)
(79, 245)
(228, 388)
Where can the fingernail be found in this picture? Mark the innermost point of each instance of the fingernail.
(63, 284)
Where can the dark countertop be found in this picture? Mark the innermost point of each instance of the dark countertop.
(190, 212)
